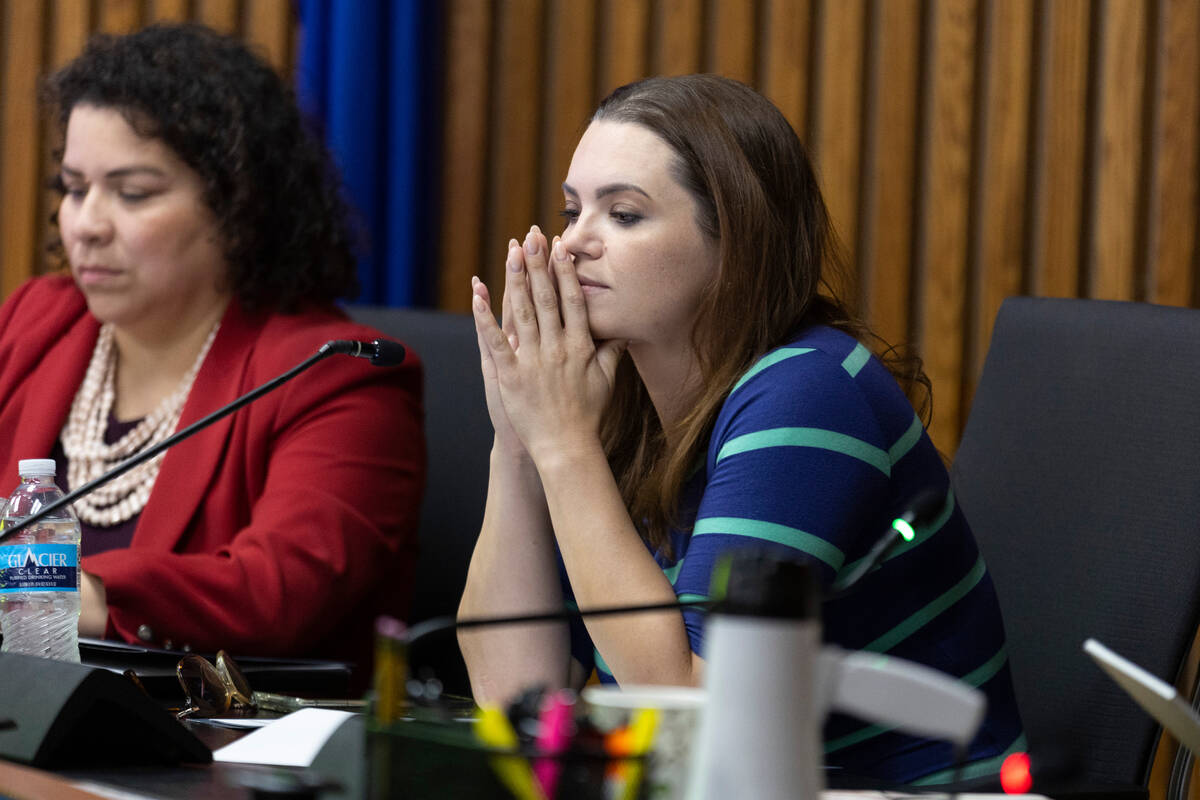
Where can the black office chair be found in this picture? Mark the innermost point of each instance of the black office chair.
(459, 437)
(1079, 471)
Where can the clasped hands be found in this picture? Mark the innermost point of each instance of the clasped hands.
(547, 381)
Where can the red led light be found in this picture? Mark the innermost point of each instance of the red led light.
(1015, 777)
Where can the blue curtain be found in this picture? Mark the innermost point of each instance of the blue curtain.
(366, 75)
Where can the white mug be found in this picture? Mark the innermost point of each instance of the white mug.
(678, 708)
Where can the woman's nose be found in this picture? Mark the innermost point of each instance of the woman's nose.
(580, 238)
(90, 222)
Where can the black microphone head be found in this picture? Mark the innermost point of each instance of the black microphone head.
(387, 353)
(380, 352)
(923, 508)
(341, 346)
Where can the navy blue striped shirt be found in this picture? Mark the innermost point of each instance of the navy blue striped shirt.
(814, 452)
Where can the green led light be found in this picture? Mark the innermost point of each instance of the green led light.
(905, 529)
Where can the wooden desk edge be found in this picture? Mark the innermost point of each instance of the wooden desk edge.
(28, 783)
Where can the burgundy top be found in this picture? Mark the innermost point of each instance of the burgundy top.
(98, 539)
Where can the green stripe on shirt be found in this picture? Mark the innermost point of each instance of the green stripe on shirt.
(808, 437)
(975, 769)
(922, 618)
(906, 441)
(857, 359)
(770, 359)
(600, 665)
(795, 538)
(987, 670)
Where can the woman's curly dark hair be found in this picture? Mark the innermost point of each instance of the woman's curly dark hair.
(268, 180)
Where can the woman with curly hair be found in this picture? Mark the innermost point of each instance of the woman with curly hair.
(206, 242)
(670, 382)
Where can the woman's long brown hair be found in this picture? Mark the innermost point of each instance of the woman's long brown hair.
(758, 199)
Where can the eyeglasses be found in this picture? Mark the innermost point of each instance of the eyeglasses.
(224, 691)
(213, 691)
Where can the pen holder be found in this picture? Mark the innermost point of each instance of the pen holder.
(417, 759)
(678, 710)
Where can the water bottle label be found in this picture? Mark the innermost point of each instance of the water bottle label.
(39, 568)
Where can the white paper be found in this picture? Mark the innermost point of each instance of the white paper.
(291, 741)
(236, 722)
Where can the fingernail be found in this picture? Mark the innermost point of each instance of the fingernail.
(514, 262)
(560, 251)
(474, 280)
(478, 304)
(531, 243)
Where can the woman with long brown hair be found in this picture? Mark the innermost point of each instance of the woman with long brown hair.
(669, 381)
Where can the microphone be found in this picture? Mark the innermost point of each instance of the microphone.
(380, 352)
(437, 624)
(919, 512)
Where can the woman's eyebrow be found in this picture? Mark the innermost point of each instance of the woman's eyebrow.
(610, 188)
(121, 172)
(136, 169)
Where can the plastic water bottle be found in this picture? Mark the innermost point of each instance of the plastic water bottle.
(39, 570)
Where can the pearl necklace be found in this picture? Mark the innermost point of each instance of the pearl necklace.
(89, 457)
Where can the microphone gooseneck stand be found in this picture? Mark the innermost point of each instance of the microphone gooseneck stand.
(380, 352)
(919, 512)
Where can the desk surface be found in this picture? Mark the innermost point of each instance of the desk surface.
(220, 781)
(25, 783)
(189, 782)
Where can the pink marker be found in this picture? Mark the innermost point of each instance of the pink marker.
(554, 734)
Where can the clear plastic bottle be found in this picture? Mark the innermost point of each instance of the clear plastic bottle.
(39, 570)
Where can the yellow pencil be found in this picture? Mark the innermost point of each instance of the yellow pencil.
(391, 669)
(493, 729)
(641, 736)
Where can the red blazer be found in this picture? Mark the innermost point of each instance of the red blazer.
(282, 529)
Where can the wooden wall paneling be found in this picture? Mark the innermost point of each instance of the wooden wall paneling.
(835, 126)
(221, 15)
(677, 37)
(166, 10)
(1174, 198)
(465, 136)
(268, 26)
(1116, 151)
(783, 69)
(1059, 147)
(119, 16)
(732, 46)
(70, 25)
(623, 44)
(944, 175)
(998, 246)
(515, 140)
(20, 140)
(568, 104)
(885, 239)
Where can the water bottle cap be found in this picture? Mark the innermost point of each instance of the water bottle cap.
(28, 467)
(756, 584)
